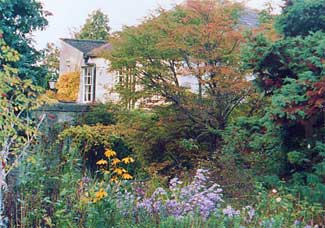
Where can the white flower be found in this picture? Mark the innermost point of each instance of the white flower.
(274, 190)
(278, 199)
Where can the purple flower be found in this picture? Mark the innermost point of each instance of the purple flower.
(250, 212)
(86, 180)
(296, 223)
(173, 208)
(199, 196)
(230, 212)
(159, 192)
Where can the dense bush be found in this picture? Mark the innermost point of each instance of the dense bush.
(164, 138)
(289, 72)
(101, 114)
(68, 87)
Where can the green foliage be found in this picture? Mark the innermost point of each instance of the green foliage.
(17, 20)
(101, 114)
(302, 17)
(295, 157)
(95, 28)
(290, 72)
(51, 61)
(17, 98)
(283, 208)
(255, 144)
(92, 141)
(40, 178)
(164, 136)
(58, 180)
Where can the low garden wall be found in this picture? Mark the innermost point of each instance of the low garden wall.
(71, 113)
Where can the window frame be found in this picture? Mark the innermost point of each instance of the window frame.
(88, 83)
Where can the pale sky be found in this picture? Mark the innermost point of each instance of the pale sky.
(70, 14)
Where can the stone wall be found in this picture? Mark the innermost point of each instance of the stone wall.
(70, 113)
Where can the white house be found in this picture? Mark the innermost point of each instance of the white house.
(96, 81)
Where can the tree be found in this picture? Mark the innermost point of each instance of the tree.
(290, 72)
(17, 130)
(51, 61)
(95, 28)
(18, 19)
(198, 38)
(300, 17)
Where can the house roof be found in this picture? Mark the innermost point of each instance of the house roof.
(249, 18)
(85, 46)
(99, 50)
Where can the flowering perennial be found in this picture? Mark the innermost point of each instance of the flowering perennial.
(199, 196)
(111, 169)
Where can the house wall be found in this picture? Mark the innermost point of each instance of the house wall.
(71, 60)
(105, 81)
(190, 82)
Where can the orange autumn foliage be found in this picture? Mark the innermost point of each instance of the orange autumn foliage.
(68, 86)
(200, 38)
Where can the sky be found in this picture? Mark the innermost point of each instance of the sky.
(69, 15)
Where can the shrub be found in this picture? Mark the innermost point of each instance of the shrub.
(101, 114)
(68, 86)
(92, 141)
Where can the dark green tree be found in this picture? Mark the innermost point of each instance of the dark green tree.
(290, 73)
(95, 28)
(18, 19)
(300, 17)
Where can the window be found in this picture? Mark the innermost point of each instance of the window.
(89, 82)
(68, 63)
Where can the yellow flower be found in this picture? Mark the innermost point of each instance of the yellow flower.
(115, 161)
(119, 171)
(110, 153)
(114, 179)
(102, 162)
(127, 176)
(100, 194)
(128, 160)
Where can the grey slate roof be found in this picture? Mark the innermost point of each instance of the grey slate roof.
(85, 46)
(249, 18)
